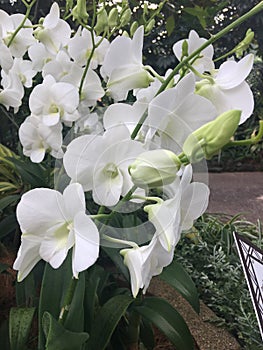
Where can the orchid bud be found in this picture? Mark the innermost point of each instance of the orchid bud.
(133, 28)
(113, 17)
(206, 141)
(126, 17)
(150, 26)
(102, 21)
(79, 12)
(145, 9)
(154, 168)
(244, 44)
(184, 49)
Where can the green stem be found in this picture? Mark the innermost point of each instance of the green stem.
(92, 50)
(67, 301)
(237, 22)
(29, 7)
(253, 140)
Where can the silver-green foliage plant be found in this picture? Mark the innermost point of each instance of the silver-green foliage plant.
(214, 265)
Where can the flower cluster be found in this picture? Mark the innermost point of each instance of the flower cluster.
(150, 130)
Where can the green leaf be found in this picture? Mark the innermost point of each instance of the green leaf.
(199, 12)
(179, 279)
(26, 291)
(107, 320)
(75, 318)
(19, 326)
(8, 200)
(57, 337)
(30, 173)
(54, 285)
(96, 279)
(8, 225)
(147, 334)
(170, 25)
(168, 320)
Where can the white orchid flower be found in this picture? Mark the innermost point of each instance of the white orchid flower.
(63, 69)
(38, 138)
(122, 67)
(6, 59)
(23, 39)
(92, 90)
(177, 112)
(202, 64)
(13, 91)
(145, 262)
(39, 56)
(54, 102)
(100, 163)
(165, 216)
(88, 123)
(52, 223)
(194, 197)
(227, 88)
(124, 114)
(54, 32)
(23, 70)
(80, 48)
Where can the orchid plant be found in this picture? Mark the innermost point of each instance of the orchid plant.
(121, 142)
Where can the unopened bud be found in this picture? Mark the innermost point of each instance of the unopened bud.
(126, 17)
(150, 26)
(79, 12)
(184, 49)
(102, 21)
(145, 9)
(244, 44)
(133, 28)
(154, 168)
(206, 141)
(113, 17)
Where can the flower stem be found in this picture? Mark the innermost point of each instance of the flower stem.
(67, 301)
(21, 25)
(253, 140)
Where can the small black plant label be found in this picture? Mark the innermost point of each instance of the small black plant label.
(252, 262)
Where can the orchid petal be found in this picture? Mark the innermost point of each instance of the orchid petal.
(87, 241)
(107, 187)
(74, 199)
(27, 256)
(193, 203)
(39, 209)
(232, 74)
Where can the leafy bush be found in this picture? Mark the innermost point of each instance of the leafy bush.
(214, 266)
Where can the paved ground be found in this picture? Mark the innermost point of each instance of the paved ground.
(233, 193)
